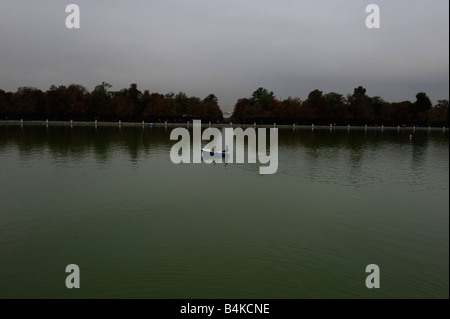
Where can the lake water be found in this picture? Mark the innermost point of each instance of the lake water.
(110, 200)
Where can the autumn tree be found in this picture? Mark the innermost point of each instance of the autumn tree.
(315, 108)
(291, 110)
(135, 96)
(376, 104)
(400, 114)
(183, 103)
(27, 103)
(211, 98)
(207, 110)
(438, 115)
(3, 105)
(158, 107)
(420, 108)
(77, 103)
(100, 101)
(359, 107)
(336, 106)
(240, 109)
(56, 102)
(263, 97)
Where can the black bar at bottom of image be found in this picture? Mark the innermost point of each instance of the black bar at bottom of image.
(226, 308)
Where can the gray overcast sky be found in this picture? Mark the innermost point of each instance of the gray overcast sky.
(229, 47)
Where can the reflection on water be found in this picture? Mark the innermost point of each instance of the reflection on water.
(137, 142)
(110, 200)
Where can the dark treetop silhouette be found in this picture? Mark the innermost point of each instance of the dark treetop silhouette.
(75, 102)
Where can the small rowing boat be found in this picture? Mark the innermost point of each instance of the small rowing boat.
(215, 153)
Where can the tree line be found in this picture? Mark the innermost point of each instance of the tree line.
(75, 102)
(333, 108)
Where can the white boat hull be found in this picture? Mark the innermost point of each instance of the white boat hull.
(211, 153)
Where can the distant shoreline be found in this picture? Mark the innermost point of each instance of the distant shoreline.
(283, 126)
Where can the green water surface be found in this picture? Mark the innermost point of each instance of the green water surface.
(110, 200)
